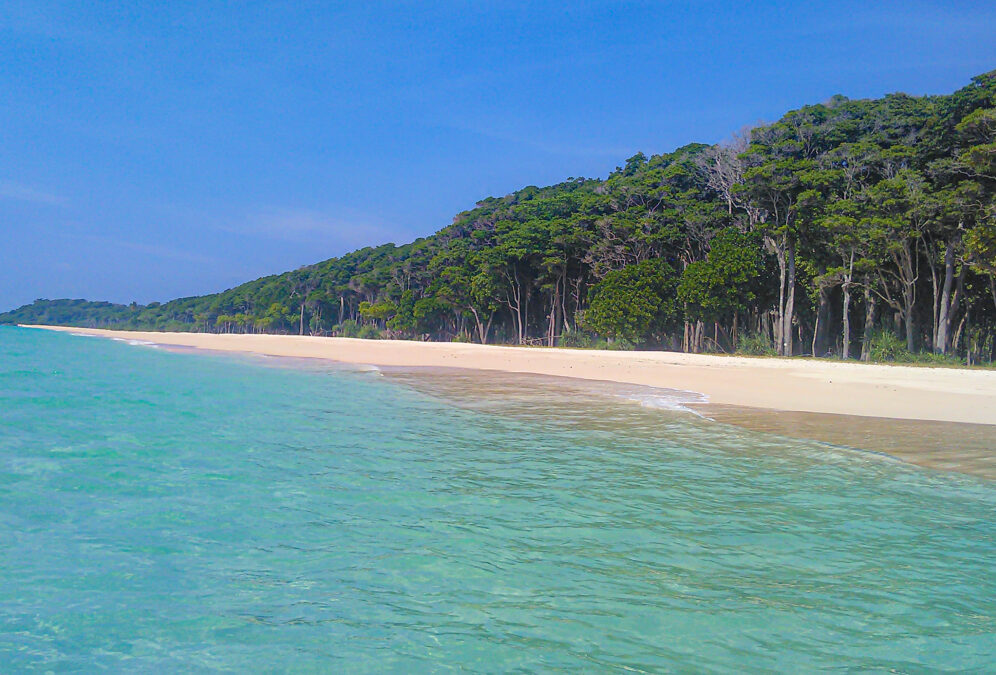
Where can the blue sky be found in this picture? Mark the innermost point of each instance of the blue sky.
(151, 150)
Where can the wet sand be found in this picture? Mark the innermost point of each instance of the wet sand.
(798, 385)
(606, 406)
(937, 418)
(947, 446)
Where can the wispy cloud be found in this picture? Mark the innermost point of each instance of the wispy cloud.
(348, 229)
(155, 250)
(25, 193)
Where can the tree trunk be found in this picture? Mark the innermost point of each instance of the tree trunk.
(957, 337)
(563, 303)
(908, 261)
(514, 302)
(935, 289)
(822, 321)
(869, 321)
(789, 300)
(846, 306)
(952, 310)
(816, 334)
(524, 321)
(942, 333)
(552, 327)
(521, 307)
(480, 326)
(845, 350)
(908, 319)
(779, 328)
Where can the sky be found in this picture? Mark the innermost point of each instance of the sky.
(152, 150)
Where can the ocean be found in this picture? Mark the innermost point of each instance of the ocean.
(164, 510)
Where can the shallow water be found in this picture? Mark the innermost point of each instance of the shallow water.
(185, 511)
(948, 446)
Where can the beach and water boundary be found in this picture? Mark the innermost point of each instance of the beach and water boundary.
(171, 508)
(867, 390)
(939, 418)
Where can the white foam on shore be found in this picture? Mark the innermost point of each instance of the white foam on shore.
(667, 399)
(143, 343)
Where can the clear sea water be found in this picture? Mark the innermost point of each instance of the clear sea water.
(165, 511)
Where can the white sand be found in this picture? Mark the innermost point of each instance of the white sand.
(801, 385)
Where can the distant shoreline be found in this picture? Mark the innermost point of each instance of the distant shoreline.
(867, 390)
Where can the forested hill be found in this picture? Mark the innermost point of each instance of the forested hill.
(853, 228)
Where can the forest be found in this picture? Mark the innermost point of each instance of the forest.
(855, 229)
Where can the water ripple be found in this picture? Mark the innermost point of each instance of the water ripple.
(164, 511)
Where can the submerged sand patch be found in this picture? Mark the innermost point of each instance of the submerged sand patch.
(934, 417)
(799, 385)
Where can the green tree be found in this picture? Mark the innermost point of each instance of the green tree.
(723, 285)
(635, 303)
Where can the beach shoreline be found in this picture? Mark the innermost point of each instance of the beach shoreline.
(791, 385)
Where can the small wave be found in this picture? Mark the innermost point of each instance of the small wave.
(667, 399)
(143, 343)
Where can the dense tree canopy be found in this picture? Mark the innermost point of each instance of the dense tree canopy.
(636, 303)
(838, 225)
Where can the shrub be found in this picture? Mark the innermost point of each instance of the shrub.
(937, 359)
(369, 332)
(619, 345)
(575, 338)
(348, 328)
(754, 344)
(887, 346)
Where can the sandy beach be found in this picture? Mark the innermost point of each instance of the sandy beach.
(796, 385)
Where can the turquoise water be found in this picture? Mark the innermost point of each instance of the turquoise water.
(179, 511)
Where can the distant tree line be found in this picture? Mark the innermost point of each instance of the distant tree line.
(859, 229)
